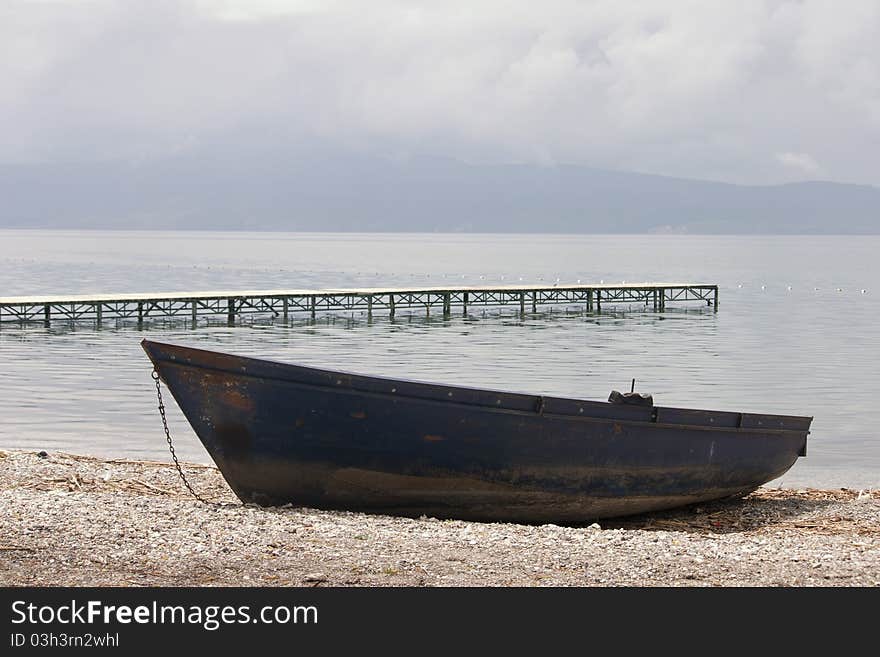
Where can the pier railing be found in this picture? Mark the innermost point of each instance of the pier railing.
(284, 304)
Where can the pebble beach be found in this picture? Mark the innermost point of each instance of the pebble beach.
(72, 520)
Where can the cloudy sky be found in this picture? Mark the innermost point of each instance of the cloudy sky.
(748, 91)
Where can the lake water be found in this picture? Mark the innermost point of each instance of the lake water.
(797, 331)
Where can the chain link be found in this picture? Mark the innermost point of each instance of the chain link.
(186, 483)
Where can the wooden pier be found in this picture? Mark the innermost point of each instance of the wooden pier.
(284, 304)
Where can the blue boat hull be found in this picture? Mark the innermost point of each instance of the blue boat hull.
(289, 434)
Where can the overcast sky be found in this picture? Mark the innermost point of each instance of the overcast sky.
(745, 91)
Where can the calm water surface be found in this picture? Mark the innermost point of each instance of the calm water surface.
(795, 333)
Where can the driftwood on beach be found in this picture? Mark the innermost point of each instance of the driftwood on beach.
(77, 520)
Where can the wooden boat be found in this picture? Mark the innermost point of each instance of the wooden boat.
(285, 433)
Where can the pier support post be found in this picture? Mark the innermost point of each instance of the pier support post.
(98, 313)
(313, 302)
(140, 313)
(447, 305)
(194, 312)
(464, 304)
(285, 308)
(522, 303)
(715, 304)
(661, 293)
(598, 301)
(589, 300)
(391, 304)
(370, 307)
(534, 302)
(230, 312)
(46, 315)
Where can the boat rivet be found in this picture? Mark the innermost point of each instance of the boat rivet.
(393, 389)
(450, 394)
(580, 410)
(338, 382)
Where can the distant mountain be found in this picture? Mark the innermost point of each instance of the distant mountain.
(346, 193)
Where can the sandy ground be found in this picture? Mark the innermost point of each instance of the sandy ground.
(76, 520)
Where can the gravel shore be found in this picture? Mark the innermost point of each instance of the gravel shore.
(79, 521)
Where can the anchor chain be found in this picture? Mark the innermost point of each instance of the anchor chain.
(155, 375)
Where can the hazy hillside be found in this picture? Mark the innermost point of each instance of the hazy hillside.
(327, 193)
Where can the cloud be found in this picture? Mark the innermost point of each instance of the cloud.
(682, 88)
(802, 162)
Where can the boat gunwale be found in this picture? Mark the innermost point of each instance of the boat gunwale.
(351, 389)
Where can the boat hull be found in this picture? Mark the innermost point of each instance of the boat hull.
(285, 434)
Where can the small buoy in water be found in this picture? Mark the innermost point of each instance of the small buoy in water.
(864, 291)
(740, 285)
(840, 289)
(815, 289)
(763, 288)
(789, 288)
(482, 277)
